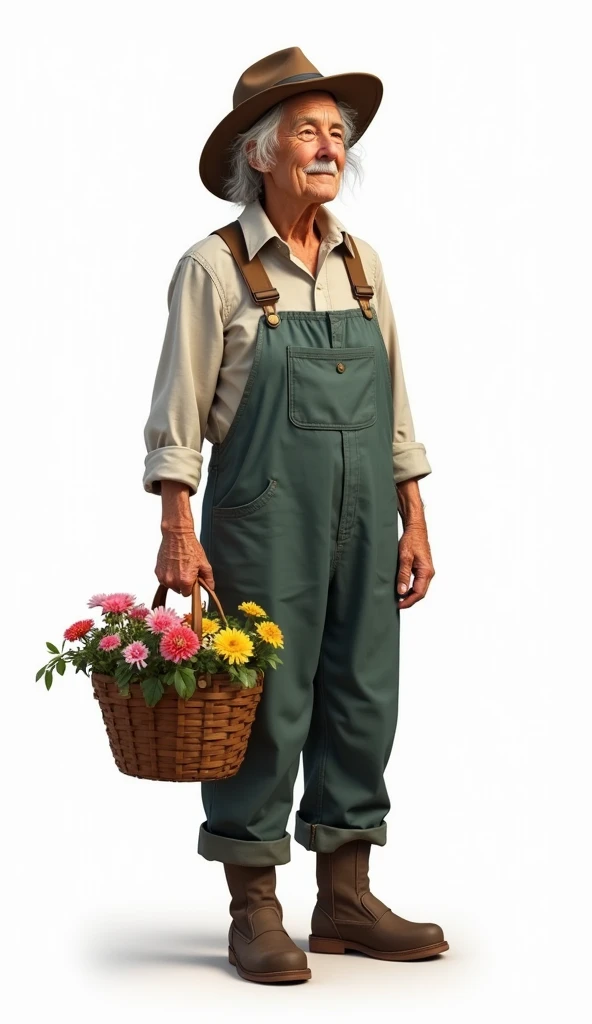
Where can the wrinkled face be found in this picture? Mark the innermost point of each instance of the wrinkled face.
(310, 157)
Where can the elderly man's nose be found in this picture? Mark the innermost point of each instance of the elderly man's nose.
(328, 147)
(328, 151)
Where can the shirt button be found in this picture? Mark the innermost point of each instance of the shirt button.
(340, 367)
(320, 287)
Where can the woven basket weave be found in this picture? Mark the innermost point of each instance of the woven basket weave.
(203, 737)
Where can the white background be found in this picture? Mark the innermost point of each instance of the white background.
(477, 196)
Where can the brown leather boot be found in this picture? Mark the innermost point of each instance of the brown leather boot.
(348, 916)
(258, 944)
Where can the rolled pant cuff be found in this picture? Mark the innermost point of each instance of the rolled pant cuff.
(257, 853)
(326, 838)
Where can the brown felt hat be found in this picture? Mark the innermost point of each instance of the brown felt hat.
(274, 78)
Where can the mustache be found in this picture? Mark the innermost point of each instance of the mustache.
(322, 167)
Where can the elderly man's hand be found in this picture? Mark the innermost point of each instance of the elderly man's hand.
(415, 556)
(181, 558)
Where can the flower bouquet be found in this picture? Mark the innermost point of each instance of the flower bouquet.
(178, 694)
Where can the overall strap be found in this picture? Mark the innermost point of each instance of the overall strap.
(261, 288)
(357, 278)
(253, 271)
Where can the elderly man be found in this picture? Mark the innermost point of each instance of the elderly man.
(281, 349)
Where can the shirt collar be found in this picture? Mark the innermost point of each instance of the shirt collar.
(258, 229)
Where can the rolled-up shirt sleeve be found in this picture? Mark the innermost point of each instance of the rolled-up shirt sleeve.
(409, 456)
(186, 378)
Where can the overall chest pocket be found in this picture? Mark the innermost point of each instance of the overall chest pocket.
(332, 389)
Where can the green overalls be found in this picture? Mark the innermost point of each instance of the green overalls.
(300, 515)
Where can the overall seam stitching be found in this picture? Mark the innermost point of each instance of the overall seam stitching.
(213, 787)
(250, 383)
(323, 761)
(321, 314)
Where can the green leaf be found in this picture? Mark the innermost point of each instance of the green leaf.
(48, 679)
(40, 673)
(152, 690)
(61, 666)
(247, 676)
(180, 685)
(123, 672)
(52, 647)
(190, 684)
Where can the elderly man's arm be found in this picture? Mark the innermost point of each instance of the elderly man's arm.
(182, 396)
(410, 463)
(186, 379)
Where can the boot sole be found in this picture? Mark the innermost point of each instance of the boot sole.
(300, 975)
(318, 944)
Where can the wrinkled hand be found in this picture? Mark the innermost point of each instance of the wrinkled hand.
(181, 559)
(415, 557)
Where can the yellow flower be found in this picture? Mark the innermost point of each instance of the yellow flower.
(234, 645)
(209, 626)
(271, 633)
(252, 609)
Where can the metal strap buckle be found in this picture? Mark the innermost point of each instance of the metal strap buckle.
(267, 295)
(271, 316)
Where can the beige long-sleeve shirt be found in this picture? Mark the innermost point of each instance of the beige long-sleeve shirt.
(210, 339)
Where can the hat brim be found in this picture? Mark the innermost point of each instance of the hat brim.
(360, 90)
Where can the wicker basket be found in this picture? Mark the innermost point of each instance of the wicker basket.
(203, 737)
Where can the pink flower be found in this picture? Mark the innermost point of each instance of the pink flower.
(107, 643)
(160, 619)
(78, 629)
(96, 600)
(179, 643)
(117, 602)
(139, 611)
(136, 653)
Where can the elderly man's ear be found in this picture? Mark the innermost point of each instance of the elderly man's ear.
(253, 162)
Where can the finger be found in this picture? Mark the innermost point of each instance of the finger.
(419, 591)
(204, 575)
(207, 576)
(404, 576)
(421, 583)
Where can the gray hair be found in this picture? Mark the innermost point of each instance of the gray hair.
(245, 184)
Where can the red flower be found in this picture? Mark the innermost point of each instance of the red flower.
(139, 611)
(179, 643)
(78, 629)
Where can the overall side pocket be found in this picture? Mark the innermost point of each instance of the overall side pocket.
(235, 511)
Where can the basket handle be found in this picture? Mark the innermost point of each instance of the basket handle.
(196, 610)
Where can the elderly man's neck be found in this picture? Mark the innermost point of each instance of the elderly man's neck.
(295, 222)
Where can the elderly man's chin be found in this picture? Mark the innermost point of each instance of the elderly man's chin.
(322, 186)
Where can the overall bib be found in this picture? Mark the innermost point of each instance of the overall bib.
(300, 514)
